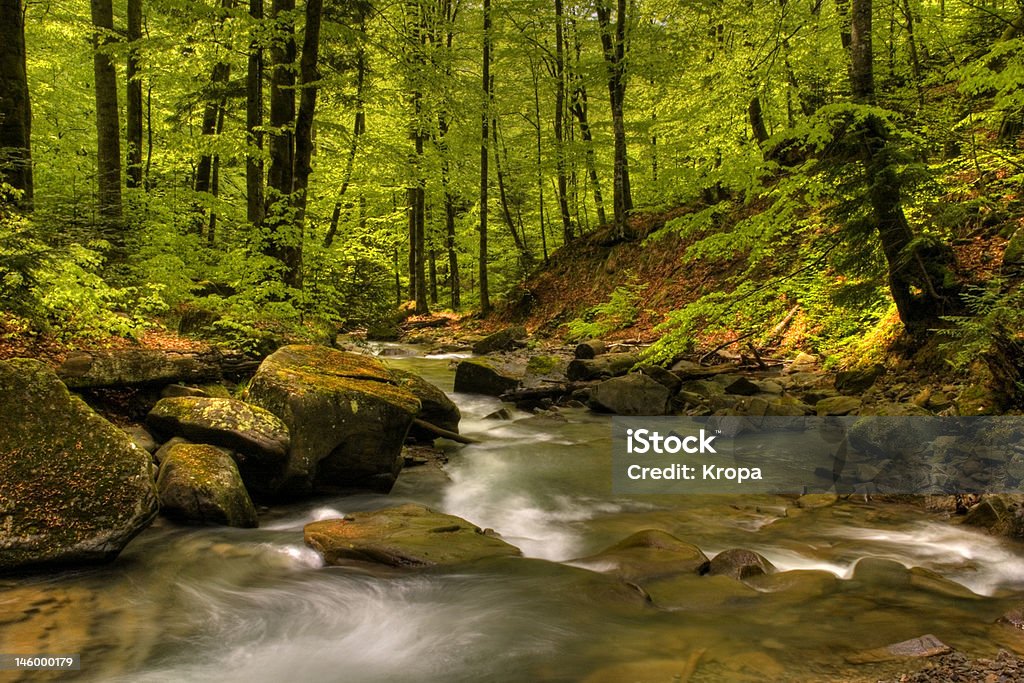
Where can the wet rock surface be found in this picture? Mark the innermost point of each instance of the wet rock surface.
(406, 536)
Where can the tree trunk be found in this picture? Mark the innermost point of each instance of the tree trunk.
(580, 108)
(108, 130)
(524, 253)
(614, 44)
(211, 229)
(15, 107)
(358, 128)
(282, 243)
(485, 116)
(309, 74)
(133, 110)
(917, 278)
(254, 121)
(212, 115)
(757, 121)
(539, 158)
(562, 188)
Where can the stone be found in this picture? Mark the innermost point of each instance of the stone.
(502, 340)
(346, 414)
(924, 646)
(648, 555)
(633, 394)
(740, 564)
(601, 367)
(939, 401)
(408, 536)
(659, 374)
(226, 422)
(200, 484)
(878, 571)
(768, 386)
(176, 390)
(804, 362)
(486, 376)
(73, 487)
(837, 405)
(435, 406)
(742, 386)
(258, 439)
(142, 438)
(857, 380)
(165, 449)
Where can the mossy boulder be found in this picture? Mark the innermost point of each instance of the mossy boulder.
(740, 564)
(633, 394)
(648, 555)
(200, 484)
(258, 438)
(347, 416)
(405, 536)
(435, 406)
(73, 487)
(502, 340)
(487, 376)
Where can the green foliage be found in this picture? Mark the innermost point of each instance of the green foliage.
(619, 312)
(996, 318)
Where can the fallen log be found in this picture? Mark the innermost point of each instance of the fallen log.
(148, 367)
(541, 393)
(444, 433)
(608, 365)
(590, 349)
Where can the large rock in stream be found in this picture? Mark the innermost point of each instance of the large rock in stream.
(347, 416)
(647, 555)
(257, 437)
(200, 484)
(487, 376)
(405, 536)
(73, 487)
(633, 394)
(435, 406)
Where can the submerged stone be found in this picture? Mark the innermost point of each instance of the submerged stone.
(647, 555)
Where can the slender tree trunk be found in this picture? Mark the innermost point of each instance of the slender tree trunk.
(485, 116)
(211, 114)
(15, 107)
(580, 110)
(211, 229)
(524, 254)
(358, 128)
(756, 116)
(432, 254)
(562, 188)
(309, 74)
(108, 130)
(614, 43)
(915, 62)
(254, 122)
(449, 213)
(283, 242)
(133, 110)
(539, 158)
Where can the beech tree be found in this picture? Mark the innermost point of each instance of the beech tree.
(15, 109)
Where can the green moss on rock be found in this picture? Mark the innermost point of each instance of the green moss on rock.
(346, 413)
(73, 487)
(200, 484)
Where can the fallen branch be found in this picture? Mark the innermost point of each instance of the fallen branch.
(443, 433)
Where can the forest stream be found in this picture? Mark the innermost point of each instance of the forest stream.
(257, 605)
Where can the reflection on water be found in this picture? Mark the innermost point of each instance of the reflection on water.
(257, 605)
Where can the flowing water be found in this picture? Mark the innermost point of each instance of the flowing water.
(185, 604)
